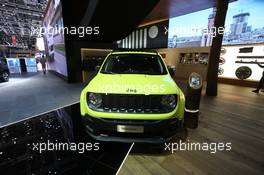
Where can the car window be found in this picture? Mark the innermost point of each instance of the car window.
(134, 64)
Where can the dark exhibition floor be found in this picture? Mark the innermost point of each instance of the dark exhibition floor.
(34, 93)
(235, 116)
(18, 154)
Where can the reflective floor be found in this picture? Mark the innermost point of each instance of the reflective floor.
(34, 93)
(22, 149)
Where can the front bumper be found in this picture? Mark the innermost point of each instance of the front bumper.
(155, 131)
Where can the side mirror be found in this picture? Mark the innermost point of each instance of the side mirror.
(172, 70)
(97, 68)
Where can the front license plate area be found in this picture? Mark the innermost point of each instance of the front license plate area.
(130, 129)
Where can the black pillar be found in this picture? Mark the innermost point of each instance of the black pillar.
(212, 72)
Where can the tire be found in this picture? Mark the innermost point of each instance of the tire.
(5, 77)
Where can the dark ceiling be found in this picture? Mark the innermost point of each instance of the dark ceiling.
(116, 18)
(171, 8)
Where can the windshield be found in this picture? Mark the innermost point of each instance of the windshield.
(134, 64)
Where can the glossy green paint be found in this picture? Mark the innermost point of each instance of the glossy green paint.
(144, 84)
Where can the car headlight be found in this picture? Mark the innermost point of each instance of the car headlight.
(169, 101)
(94, 100)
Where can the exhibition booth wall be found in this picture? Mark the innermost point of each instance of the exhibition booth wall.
(183, 41)
(187, 60)
(189, 42)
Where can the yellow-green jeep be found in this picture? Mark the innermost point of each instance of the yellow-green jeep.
(132, 98)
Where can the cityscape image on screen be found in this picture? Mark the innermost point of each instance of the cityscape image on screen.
(243, 25)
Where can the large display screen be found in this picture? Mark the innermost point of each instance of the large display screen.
(244, 25)
(191, 30)
(244, 22)
(54, 38)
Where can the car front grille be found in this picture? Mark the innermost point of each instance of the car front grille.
(128, 103)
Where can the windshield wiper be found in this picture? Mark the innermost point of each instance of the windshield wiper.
(150, 73)
(106, 72)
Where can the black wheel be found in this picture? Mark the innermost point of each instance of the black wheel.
(223, 51)
(222, 61)
(243, 72)
(220, 71)
(5, 77)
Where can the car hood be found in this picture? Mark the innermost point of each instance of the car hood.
(132, 84)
